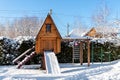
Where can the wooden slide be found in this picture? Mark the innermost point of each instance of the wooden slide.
(51, 62)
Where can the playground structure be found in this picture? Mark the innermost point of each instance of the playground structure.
(48, 41)
(78, 48)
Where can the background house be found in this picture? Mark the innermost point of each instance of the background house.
(95, 32)
(103, 32)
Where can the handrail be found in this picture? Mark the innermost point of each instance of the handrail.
(23, 54)
(26, 59)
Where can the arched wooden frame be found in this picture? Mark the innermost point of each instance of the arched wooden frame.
(81, 52)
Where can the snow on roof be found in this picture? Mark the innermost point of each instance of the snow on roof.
(1, 37)
(78, 32)
(77, 37)
(20, 39)
(106, 29)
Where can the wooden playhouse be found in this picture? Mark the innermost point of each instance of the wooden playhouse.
(48, 38)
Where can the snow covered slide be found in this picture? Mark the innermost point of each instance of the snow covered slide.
(51, 63)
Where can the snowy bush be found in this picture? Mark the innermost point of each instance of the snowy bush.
(27, 42)
(8, 50)
(12, 48)
(104, 51)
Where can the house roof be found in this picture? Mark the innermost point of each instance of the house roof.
(44, 23)
(78, 32)
(106, 29)
(82, 32)
(92, 29)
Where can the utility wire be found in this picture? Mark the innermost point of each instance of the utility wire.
(35, 12)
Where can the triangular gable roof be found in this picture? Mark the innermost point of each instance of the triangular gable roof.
(93, 29)
(48, 16)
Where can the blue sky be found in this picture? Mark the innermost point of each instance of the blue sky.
(64, 11)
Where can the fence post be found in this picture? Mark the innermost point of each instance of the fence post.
(101, 54)
(92, 53)
(109, 56)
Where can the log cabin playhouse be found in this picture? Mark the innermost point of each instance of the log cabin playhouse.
(48, 39)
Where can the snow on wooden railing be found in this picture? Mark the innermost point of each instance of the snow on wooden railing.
(26, 59)
(16, 59)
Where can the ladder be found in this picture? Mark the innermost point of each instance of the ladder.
(28, 54)
(76, 52)
(26, 59)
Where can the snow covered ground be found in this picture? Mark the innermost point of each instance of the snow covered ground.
(69, 71)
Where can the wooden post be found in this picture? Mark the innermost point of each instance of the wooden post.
(88, 45)
(43, 63)
(81, 53)
(73, 54)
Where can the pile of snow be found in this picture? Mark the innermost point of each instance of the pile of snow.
(70, 71)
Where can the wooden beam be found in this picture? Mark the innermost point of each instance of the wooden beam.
(88, 45)
(73, 54)
(77, 39)
(43, 66)
(81, 52)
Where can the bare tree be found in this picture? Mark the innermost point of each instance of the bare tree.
(1, 30)
(100, 19)
(27, 26)
(108, 29)
(79, 29)
(101, 16)
(7, 31)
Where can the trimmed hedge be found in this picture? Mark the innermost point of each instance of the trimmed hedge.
(9, 50)
(101, 52)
